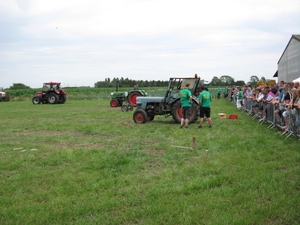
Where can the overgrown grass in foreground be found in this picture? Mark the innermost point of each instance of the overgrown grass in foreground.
(86, 162)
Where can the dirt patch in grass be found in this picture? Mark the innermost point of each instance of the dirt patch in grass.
(155, 152)
(65, 139)
(83, 146)
(43, 133)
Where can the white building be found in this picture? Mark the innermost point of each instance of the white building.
(289, 62)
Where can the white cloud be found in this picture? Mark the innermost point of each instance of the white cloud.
(87, 41)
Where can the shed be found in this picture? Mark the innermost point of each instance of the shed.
(289, 62)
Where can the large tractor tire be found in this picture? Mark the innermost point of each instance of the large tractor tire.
(132, 97)
(114, 103)
(140, 116)
(63, 99)
(52, 98)
(177, 112)
(36, 100)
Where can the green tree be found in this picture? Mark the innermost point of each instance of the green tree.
(226, 80)
(16, 86)
(253, 80)
(102, 84)
(240, 83)
(215, 81)
(262, 79)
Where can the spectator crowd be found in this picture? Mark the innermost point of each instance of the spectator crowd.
(276, 104)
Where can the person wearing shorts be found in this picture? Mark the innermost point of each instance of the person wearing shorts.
(204, 102)
(186, 105)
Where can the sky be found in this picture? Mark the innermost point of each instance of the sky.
(81, 42)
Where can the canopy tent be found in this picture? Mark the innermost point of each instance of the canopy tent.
(296, 80)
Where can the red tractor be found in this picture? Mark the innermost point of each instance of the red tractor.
(51, 93)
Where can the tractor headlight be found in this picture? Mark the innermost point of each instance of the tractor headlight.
(111, 93)
(126, 93)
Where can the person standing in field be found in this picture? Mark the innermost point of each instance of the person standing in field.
(239, 101)
(225, 93)
(204, 102)
(219, 92)
(136, 87)
(186, 105)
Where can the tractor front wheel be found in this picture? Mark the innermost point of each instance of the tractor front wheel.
(114, 103)
(140, 116)
(36, 100)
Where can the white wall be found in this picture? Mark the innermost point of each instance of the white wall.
(289, 64)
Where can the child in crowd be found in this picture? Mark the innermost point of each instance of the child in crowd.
(239, 101)
(269, 95)
(282, 102)
(257, 99)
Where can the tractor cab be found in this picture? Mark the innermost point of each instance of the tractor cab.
(177, 84)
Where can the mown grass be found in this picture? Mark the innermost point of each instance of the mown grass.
(83, 93)
(88, 163)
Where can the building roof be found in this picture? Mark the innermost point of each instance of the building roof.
(294, 36)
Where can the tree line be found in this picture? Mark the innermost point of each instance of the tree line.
(121, 82)
(224, 80)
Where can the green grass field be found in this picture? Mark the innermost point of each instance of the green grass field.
(84, 162)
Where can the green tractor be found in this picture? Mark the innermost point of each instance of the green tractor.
(127, 100)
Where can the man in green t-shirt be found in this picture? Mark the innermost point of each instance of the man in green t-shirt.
(239, 101)
(186, 105)
(219, 92)
(225, 92)
(204, 102)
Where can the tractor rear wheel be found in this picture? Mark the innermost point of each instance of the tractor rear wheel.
(36, 100)
(114, 103)
(194, 112)
(132, 97)
(140, 116)
(177, 112)
(52, 98)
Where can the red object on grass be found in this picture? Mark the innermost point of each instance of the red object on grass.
(233, 116)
